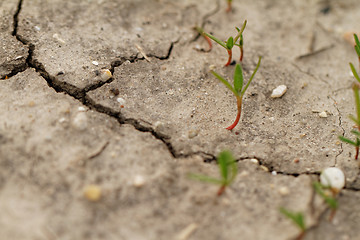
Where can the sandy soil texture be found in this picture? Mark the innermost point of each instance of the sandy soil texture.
(107, 105)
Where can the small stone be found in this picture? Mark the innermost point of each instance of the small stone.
(279, 91)
(296, 160)
(212, 67)
(333, 177)
(80, 121)
(18, 57)
(253, 160)
(37, 28)
(193, 133)
(62, 120)
(105, 74)
(323, 114)
(264, 168)
(81, 109)
(284, 191)
(92, 192)
(58, 38)
(274, 173)
(139, 181)
(95, 63)
(121, 101)
(271, 119)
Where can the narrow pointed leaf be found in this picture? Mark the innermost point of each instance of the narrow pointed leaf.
(240, 32)
(355, 132)
(204, 178)
(224, 159)
(354, 72)
(352, 118)
(221, 43)
(330, 201)
(346, 140)
(234, 170)
(230, 43)
(251, 78)
(357, 100)
(357, 40)
(238, 78)
(226, 83)
(297, 218)
(357, 49)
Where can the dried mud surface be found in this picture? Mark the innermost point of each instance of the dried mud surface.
(161, 115)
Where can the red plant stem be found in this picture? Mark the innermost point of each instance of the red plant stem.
(241, 54)
(229, 7)
(300, 236)
(239, 102)
(230, 57)
(221, 190)
(209, 42)
(357, 153)
(332, 215)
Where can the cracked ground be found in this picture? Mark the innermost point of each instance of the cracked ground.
(161, 115)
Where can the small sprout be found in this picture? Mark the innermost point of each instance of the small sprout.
(229, 7)
(229, 44)
(238, 88)
(202, 33)
(228, 171)
(323, 192)
(357, 47)
(298, 220)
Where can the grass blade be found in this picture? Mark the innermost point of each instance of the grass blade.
(240, 32)
(204, 178)
(354, 72)
(346, 140)
(223, 160)
(357, 41)
(297, 218)
(221, 43)
(357, 100)
(226, 83)
(238, 78)
(251, 78)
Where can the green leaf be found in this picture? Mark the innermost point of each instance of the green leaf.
(296, 217)
(357, 49)
(230, 43)
(234, 170)
(226, 83)
(224, 159)
(240, 32)
(357, 101)
(346, 140)
(204, 178)
(251, 78)
(241, 42)
(355, 132)
(352, 118)
(330, 201)
(238, 78)
(221, 43)
(354, 72)
(357, 40)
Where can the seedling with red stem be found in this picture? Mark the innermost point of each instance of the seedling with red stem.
(331, 201)
(228, 171)
(229, 44)
(298, 220)
(355, 88)
(229, 8)
(238, 88)
(202, 33)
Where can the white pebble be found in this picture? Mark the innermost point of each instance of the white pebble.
(121, 101)
(80, 121)
(333, 177)
(253, 160)
(95, 63)
(323, 114)
(139, 181)
(105, 74)
(81, 109)
(61, 120)
(271, 119)
(279, 91)
(274, 173)
(58, 38)
(284, 191)
(37, 28)
(264, 168)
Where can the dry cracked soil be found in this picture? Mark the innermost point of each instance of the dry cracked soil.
(66, 125)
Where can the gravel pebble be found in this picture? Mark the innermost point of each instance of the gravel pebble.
(279, 91)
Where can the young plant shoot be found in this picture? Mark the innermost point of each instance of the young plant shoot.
(202, 33)
(229, 44)
(229, 8)
(238, 88)
(298, 220)
(356, 119)
(331, 201)
(228, 171)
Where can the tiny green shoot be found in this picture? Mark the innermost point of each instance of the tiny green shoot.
(238, 90)
(356, 119)
(331, 201)
(228, 171)
(229, 44)
(202, 33)
(298, 220)
(229, 8)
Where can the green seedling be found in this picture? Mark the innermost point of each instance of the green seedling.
(230, 43)
(202, 33)
(356, 119)
(228, 171)
(238, 88)
(298, 220)
(331, 201)
(229, 8)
